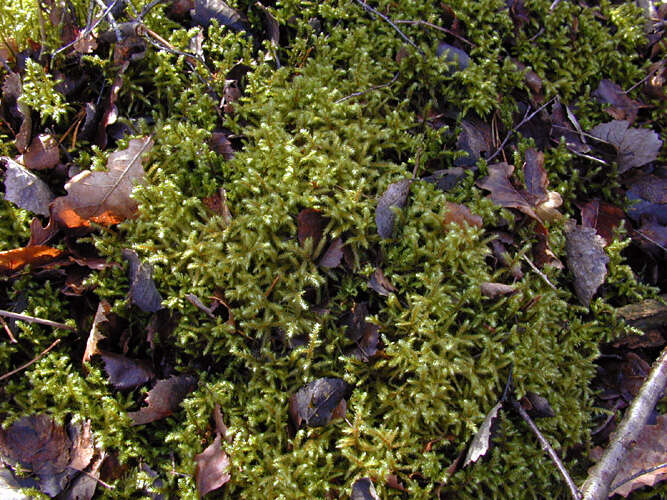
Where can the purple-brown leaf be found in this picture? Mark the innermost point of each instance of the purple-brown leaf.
(333, 255)
(212, 467)
(315, 404)
(587, 260)
(163, 399)
(125, 373)
(25, 189)
(634, 146)
(310, 224)
(622, 107)
(395, 196)
(143, 292)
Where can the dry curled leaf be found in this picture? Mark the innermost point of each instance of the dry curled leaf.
(587, 260)
(634, 146)
(206, 10)
(315, 404)
(394, 196)
(96, 335)
(25, 189)
(474, 139)
(212, 467)
(494, 290)
(104, 197)
(42, 154)
(363, 489)
(461, 215)
(143, 292)
(481, 443)
(379, 282)
(503, 193)
(12, 88)
(35, 256)
(125, 373)
(602, 216)
(621, 106)
(163, 399)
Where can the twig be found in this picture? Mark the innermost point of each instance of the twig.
(553, 5)
(638, 474)
(374, 87)
(273, 284)
(548, 448)
(539, 273)
(34, 360)
(597, 485)
(12, 339)
(650, 74)
(526, 118)
(419, 22)
(32, 319)
(370, 9)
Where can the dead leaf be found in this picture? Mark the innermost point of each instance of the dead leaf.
(649, 450)
(83, 447)
(394, 196)
(12, 89)
(503, 193)
(332, 255)
(446, 179)
(125, 373)
(561, 128)
(394, 482)
(380, 283)
(587, 260)
(42, 154)
(652, 238)
(25, 189)
(310, 224)
(212, 467)
(481, 443)
(315, 403)
(494, 290)
(84, 486)
(104, 197)
(217, 204)
(459, 58)
(461, 215)
(221, 145)
(536, 406)
(96, 335)
(474, 139)
(602, 216)
(271, 24)
(364, 334)
(648, 195)
(35, 256)
(634, 146)
(41, 234)
(206, 10)
(363, 489)
(143, 292)
(163, 399)
(621, 106)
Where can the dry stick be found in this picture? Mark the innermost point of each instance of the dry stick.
(547, 447)
(32, 319)
(526, 118)
(34, 360)
(374, 87)
(643, 80)
(638, 474)
(539, 273)
(12, 339)
(597, 485)
(419, 22)
(370, 9)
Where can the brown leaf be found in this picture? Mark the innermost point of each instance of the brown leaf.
(474, 139)
(394, 482)
(221, 145)
(212, 467)
(315, 403)
(125, 373)
(493, 290)
(42, 154)
(363, 333)
(634, 146)
(561, 128)
(95, 335)
(536, 406)
(650, 450)
(271, 25)
(363, 489)
(163, 399)
(84, 486)
(143, 292)
(217, 204)
(41, 234)
(310, 224)
(503, 192)
(104, 197)
(587, 260)
(648, 195)
(206, 10)
(652, 237)
(602, 216)
(394, 196)
(35, 256)
(621, 106)
(25, 189)
(380, 283)
(461, 215)
(481, 443)
(12, 88)
(333, 254)
(83, 447)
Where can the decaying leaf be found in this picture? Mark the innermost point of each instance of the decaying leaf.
(649, 450)
(446, 179)
(333, 254)
(206, 10)
(125, 373)
(461, 215)
(212, 467)
(84, 486)
(217, 203)
(458, 57)
(163, 399)
(587, 260)
(364, 334)
(12, 88)
(104, 197)
(310, 224)
(363, 489)
(648, 195)
(652, 237)
(481, 443)
(143, 292)
(379, 282)
(503, 192)
(96, 335)
(474, 139)
(394, 196)
(83, 447)
(315, 404)
(43, 153)
(621, 106)
(35, 256)
(602, 216)
(536, 406)
(634, 146)
(221, 145)
(561, 129)
(494, 290)
(25, 189)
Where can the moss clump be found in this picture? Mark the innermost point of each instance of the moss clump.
(448, 349)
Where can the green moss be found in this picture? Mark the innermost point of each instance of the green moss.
(448, 349)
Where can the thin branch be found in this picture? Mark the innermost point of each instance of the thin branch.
(548, 448)
(32, 361)
(370, 9)
(650, 74)
(526, 118)
(419, 22)
(32, 319)
(8, 330)
(638, 474)
(597, 485)
(539, 273)
(374, 87)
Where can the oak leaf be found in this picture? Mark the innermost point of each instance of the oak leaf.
(163, 399)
